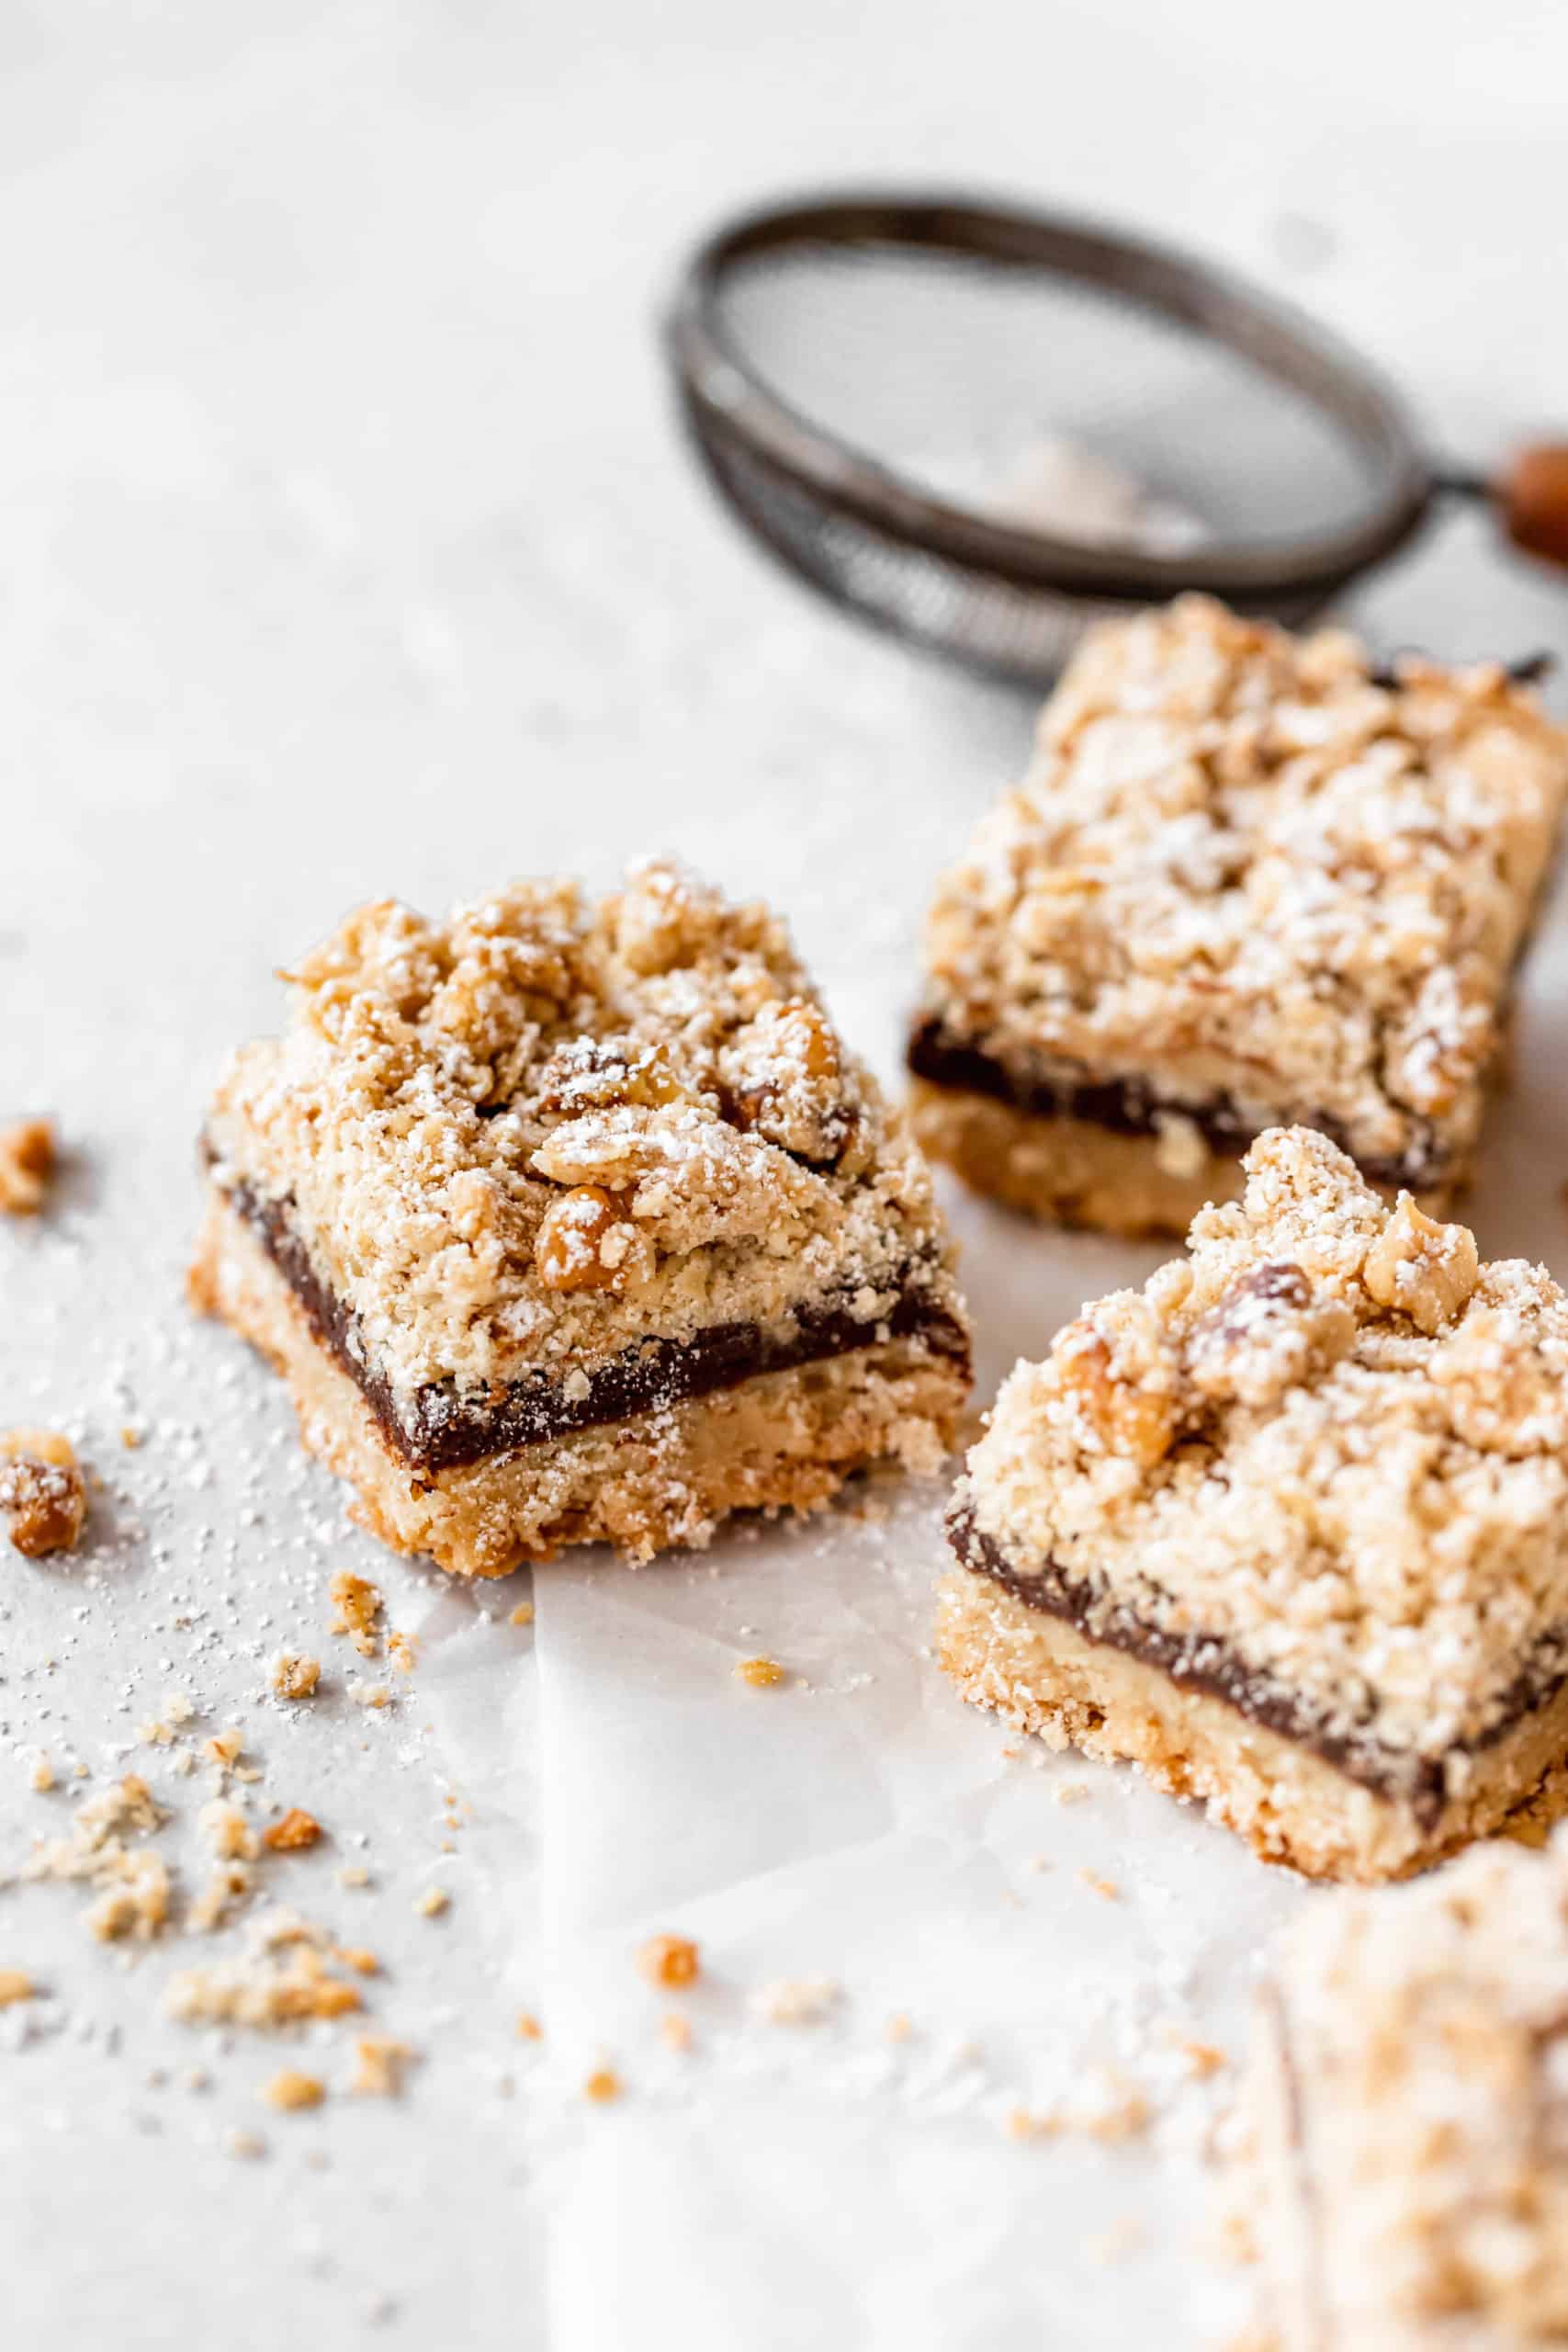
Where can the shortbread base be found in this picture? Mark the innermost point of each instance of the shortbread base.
(1072, 1171)
(653, 1482)
(1044, 1676)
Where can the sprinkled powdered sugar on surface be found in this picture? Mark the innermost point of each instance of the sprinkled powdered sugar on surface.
(547, 1129)
(1329, 1436)
(1240, 868)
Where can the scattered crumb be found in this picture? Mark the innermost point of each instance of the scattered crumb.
(668, 1961)
(1071, 1792)
(761, 1673)
(129, 1437)
(15, 1985)
(227, 1831)
(674, 2030)
(133, 1887)
(280, 1980)
(27, 1155)
(247, 2146)
(899, 2028)
(523, 1614)
(528, 2027)
(297, 1828)
(354, 1956)
(224, 1889)
(432, 1902)
(354, 1874)
(370, 1694)
(380, 2065)
(1120, 2115)
(1203, 2058)
(357, 1604)
(289, 2090)
(42, 1774)
(1109, 2245)
(602, 2084)
(1105, 1886)
(42, 1491)
(291, 1675)
(797, 2000)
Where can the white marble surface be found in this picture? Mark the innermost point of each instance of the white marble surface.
(347, 549)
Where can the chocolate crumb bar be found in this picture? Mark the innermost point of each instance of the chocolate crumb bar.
(1288, 1528)
(568, 1222)
(1408, 2099)
(1249, 882)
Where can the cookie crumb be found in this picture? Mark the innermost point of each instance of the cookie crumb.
(1104, 1886)
(380, 2065)
(761, 1673)
(528, 2027)
(245, 2145)
(523, 1614)
(356, 1605)
(15, 1985)
(403, 1651)
(297, 1828)
(354, 1874)
(41, 1777)
(293, 1676)
(899, 2028)
(227, 1831)
(797, 2000)
(432, 1902)
(1071, 1792)
(28, 1157)
(1202, 2057)
(129, 1436)
(289, 2090)
(355, 1956)
(602, 2084)
(42, 1491)
(668, 1961)
(674, 2030)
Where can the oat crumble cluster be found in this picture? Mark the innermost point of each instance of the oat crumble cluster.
(593, 1187)
(1246, 882)
(1409, 2098)
(1317, 1469)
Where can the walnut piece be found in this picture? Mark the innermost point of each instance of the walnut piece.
(42, 1490)
(586, 1242)
(1125, 1417)
(1419, 1268)
(1270, 1332)
(297, 1828)
(27, 1157)
(669, 1962)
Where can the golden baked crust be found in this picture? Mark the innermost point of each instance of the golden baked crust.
(1321, 1460)
(1408, 2096)
(534, 1135)
(1245, 873)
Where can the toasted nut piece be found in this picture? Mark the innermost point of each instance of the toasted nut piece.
(27, 1163)
(297, 1828)
(42, 1488)
(1267, 1332)
(669, 1962)
(1125, 1418)
(1422, 1268)
(570, 1249)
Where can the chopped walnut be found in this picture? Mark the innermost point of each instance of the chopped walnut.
(356, 1605)
(588, 1243)
(43, 1490)
(293, 1676)
(27, 1157)
(1270, 1331)
(1125, 1416)
(380, 2065)
(297, 1828)
(668, 1961)
(290, 2091)
(1422, 1268)
(761, 1673)
(15, 1985)
(784, 1078)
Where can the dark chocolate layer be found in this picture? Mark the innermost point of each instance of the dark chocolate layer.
(1130, 1107)
(1207, 1662)
(450, 1429)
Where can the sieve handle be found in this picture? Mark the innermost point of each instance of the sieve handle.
(1531, 497)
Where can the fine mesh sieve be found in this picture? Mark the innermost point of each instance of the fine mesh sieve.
(985, 429)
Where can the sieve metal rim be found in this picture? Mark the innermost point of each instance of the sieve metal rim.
(725, 398)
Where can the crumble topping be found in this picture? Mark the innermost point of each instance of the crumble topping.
(1329, 1436)
(1243, 867)
(546, 1129)
(1428, 2028)
(27, 1155)
(42, 1492)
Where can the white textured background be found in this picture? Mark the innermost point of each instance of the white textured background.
(345, 548)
